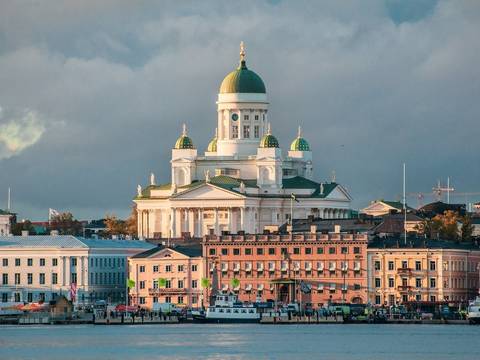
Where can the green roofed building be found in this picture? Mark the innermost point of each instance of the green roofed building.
(243, 181)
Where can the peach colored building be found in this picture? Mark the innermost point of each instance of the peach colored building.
(167, 275)
(422, 271)
(277, 267)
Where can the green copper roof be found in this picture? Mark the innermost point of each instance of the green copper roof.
(184, 142)
(242, 80)
(269, 141)
(300, 144)
(212, 145)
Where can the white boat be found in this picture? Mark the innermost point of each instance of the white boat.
(227, 309)
(474, 311)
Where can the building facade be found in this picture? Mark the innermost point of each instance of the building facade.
(242, 182)
(38, 268)
(422, 271)
(311, 267)
(167, 275)
(6, 220)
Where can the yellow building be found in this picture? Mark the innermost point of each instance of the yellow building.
(421, 270)
(167, 275)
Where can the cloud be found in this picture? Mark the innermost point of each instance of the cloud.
(391, 81)
(19, 132)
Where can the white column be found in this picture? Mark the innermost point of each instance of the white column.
(191, 222)
(82, 271)
(173, 223)
(216, 222)
(64, 270)
(179, 222)
(186, 217)
(140, 224)
(242, 218)
(230, 220)
(200, 222)
(67, 270)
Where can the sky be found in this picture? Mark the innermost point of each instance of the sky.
(93, 94)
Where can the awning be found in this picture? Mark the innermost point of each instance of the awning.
(236, 267)
(283, 281)
(320, 266)
(225, 287)
(248, 267)
(224, 266)
(260, 287)
(248, 287)
(320, 287)
(260, 266)
(308, 266)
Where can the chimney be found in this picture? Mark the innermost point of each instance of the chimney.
(24, 232)
(54, 233)
(313, 229)
(337, 229)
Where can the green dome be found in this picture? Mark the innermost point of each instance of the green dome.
(269, 141)
(242, 80)
(212, 145)
(300, 144)
(184, 142)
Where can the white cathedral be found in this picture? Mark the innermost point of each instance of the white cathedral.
(242, 183)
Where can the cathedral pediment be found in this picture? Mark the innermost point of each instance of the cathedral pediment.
(339, 193)
(208, 191)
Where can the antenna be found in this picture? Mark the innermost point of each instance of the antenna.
(404, 207)
(9, 200)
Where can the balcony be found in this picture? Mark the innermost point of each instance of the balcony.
(404, 271)
(165, 291)
(404, 288)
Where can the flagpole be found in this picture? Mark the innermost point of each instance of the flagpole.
(404, 208)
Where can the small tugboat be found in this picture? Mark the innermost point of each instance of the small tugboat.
(227, 309)
(473, 315)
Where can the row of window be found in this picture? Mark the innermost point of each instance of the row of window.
(41, 262)
(285, 265)
(107, 262)
(17, 278)
(246, 131)
(283, 251)
(404, 298)
(404, 265)
(107, 278)
(168, 284)
(168, 299)
(168, 268)
(418, 282)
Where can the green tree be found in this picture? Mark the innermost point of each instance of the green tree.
(466, 231)
(25, 225)
(66, 224)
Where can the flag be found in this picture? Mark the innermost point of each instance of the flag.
(130, 283)
(52, 213)
(73, 291)
(294, 197)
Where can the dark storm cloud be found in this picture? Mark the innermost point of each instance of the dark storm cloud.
(109, 84)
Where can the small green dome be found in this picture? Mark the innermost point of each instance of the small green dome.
(242, 80)
(269, 141)
(184, 142)
(300, 144)
(212, 145)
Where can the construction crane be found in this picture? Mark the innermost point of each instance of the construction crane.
(437, 194)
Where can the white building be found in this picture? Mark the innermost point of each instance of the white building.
(36, 268)
(243, 181)
(6, 219)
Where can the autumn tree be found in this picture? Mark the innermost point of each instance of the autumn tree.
(114, 226)
(131, 223)
(65, 224)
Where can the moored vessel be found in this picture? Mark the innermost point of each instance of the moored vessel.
(227, 309)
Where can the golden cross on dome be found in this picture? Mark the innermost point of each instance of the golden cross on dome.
(184, 130)
(242, 51)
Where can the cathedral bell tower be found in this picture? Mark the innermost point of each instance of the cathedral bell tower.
(242, 111)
